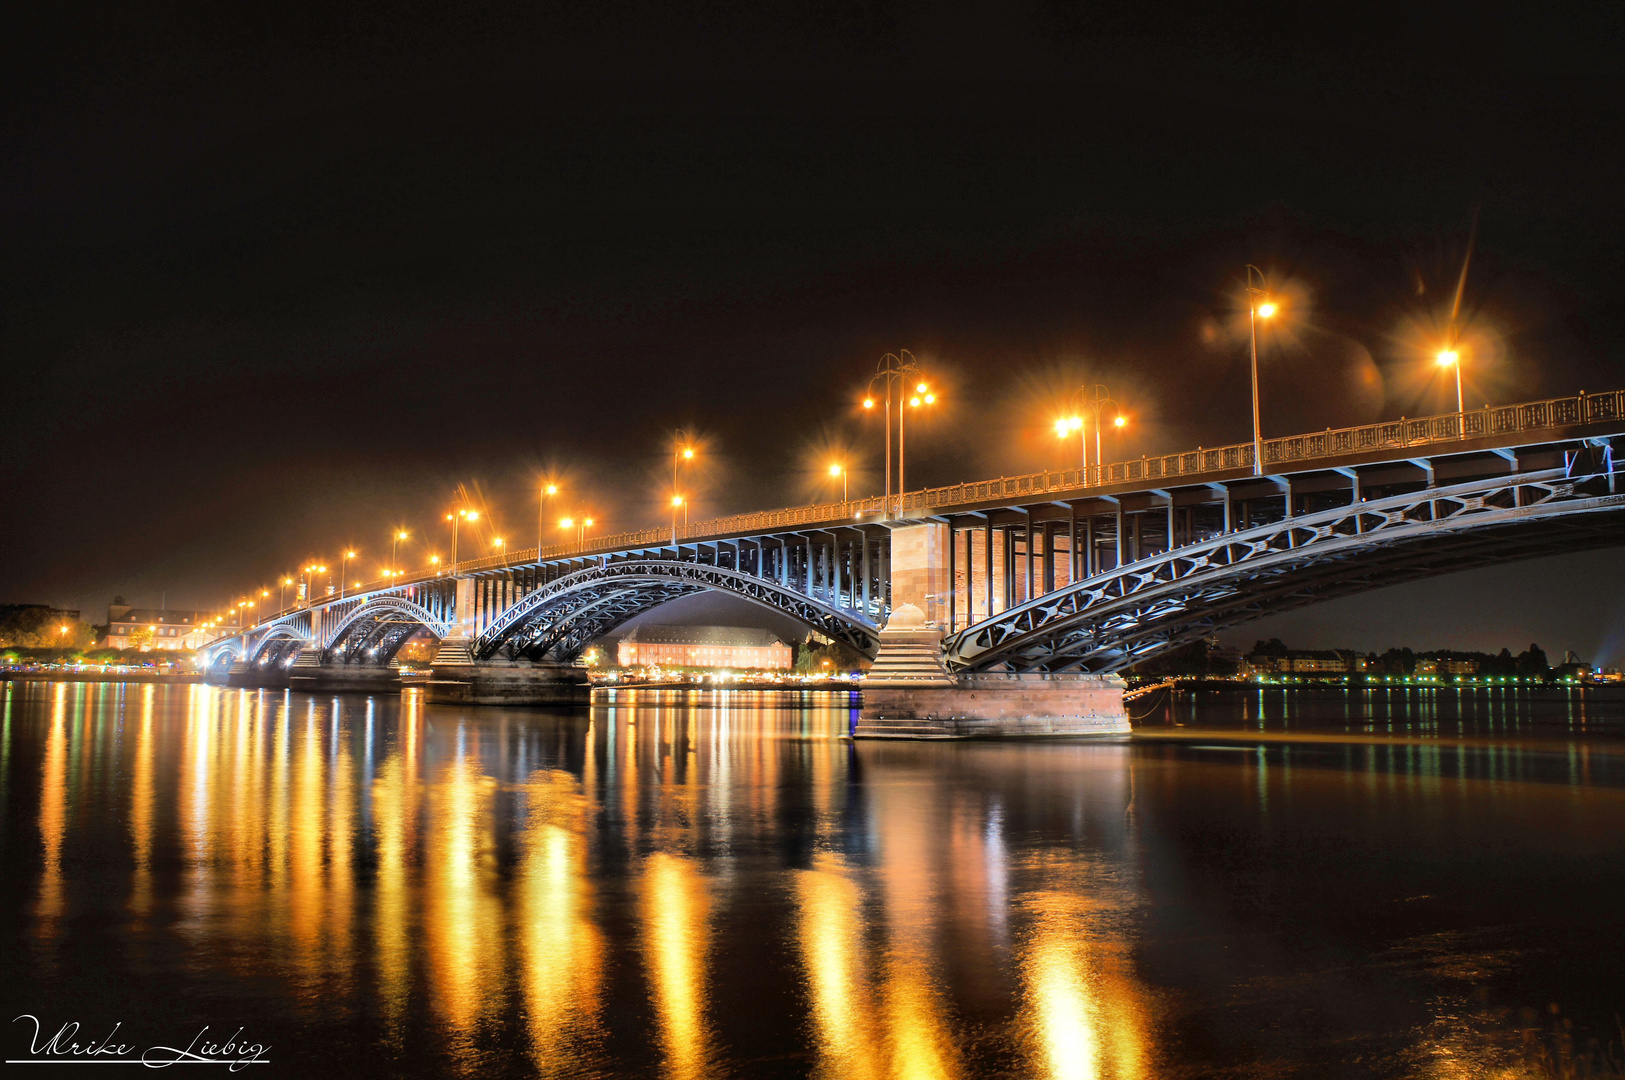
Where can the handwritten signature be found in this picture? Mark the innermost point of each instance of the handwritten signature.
(63, 1048)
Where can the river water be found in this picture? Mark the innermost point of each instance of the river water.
(697, 884)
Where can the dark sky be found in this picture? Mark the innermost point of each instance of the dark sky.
(274, 285)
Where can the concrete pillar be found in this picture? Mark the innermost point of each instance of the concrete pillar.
(459, 679)
(463, 608)
(919, 569)
(910, 694)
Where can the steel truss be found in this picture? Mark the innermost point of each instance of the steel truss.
(374, 632)
(1114, 620)
(565, 616)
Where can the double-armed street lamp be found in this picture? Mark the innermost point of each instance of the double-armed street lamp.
(1094, 402)
(457, 517)
(899, 368)
(580, 524)
(1259, 306)
(310, 570)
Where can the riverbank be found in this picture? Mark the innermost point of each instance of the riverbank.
(102, 676)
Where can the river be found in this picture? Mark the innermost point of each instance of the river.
(1277, 883)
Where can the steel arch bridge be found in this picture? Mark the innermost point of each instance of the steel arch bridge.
(562, 618)
(1110, 621)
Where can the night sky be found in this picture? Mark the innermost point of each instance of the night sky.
(275, 285)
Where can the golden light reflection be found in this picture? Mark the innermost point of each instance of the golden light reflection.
(462, 915)
(53, 813)
(563, 951)
(1085, 1014)
(830, 924)
(396, 808)
(676, 939)
(141, 797)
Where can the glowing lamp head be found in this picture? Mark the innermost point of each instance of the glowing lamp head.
(688, 452)
(587, 523)
(472, 515)
(565, 523)
(920, 388)
(401, 535)
(677, 500)
(868, 403)
(349, 554)
(434, 560)
(914, 401)
(930, 399)
(497, 542)
(552, 489)
(1448, 357)
(1121, 421)
(1267, 309)
(835, 470)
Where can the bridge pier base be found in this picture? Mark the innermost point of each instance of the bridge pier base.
(909, 694)
(459, 679)
(257, 677)
(310, 675)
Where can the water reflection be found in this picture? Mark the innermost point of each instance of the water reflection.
(694, 884)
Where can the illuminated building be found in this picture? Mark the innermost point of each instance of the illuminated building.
(170, 629)
(703, 646)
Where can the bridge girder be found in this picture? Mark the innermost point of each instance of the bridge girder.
(566, 615)
(1114, 620)
(374, 631)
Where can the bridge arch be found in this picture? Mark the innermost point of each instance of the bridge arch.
(562, 618)
(374, 632)
(1117, 619)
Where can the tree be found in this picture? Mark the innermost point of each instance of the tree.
(1532, 661)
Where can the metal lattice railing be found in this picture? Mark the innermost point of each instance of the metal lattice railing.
(1406, 432)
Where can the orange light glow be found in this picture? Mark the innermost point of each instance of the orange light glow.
(1266, 309)
(1447, 357)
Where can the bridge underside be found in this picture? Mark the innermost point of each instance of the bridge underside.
(1115, 620)
(558, 622)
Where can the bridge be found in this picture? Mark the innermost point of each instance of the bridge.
(1050, 582)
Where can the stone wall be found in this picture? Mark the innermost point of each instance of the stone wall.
(996, 705)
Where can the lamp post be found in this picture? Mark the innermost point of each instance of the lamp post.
(281, 593)
(344, 568)
(1091, 401)
(548, 491)
(456, 517)
(682, 454)
(898, 367)
(580, 525)
(840, 470)
(1257, 309)
(1450, 358)
(396, 538)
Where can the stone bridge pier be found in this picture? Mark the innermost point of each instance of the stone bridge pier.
(459, 678)
(911, 694)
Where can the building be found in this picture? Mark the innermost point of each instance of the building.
(1304, 662)
(163, 628)
(702, 647)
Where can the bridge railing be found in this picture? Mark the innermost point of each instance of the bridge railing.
(1488, 422)
(1405, 432)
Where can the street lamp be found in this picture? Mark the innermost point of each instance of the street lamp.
(1093, 402)
(547, 493)
(580, 525)
(434, 560)
(840, 470)
(898, 367)
(456, 517)
(1451, 359)
(399, 535)
(682, 454)
(281, 593)
(344, 566)
(1257, 309)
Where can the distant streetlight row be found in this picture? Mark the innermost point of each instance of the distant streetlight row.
(895, 371)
